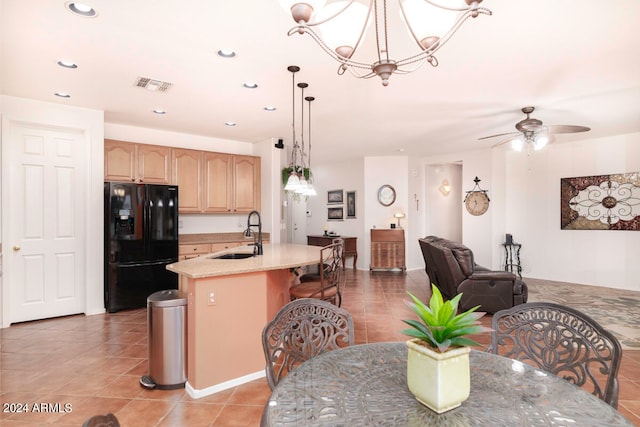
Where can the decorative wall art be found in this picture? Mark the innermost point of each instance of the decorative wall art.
(601, 202)
(335, 214)
(351, 204)
(335, 197)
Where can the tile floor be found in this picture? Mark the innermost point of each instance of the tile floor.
(94, 363)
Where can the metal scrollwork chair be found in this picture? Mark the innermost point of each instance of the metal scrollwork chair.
(562, 341)
(327, 286)
(302, 329)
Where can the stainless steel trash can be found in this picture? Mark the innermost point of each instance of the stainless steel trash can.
(167, 327)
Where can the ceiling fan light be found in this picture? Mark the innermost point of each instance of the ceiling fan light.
(540, 141)
(517, 144)
(342, 30)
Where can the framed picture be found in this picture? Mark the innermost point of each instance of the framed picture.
(600, 202)
(335, 197)
(351, 204)
(335, 214)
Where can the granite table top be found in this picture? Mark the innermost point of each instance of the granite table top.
(366, 385)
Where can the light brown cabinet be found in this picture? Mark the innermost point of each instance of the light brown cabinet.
(218, 185)
(246, 183)
(187, 175)
(124, 161)
(193, 251)
(208, 182)
(387, 249)
(232, 183)
(197, 250)
(119, 161)
(188, 251)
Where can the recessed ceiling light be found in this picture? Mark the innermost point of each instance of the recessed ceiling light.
(226, 53)
(250, 85)
(67, 64)
(270, 108)
(230, 123)
(81, 9)
(62, 95)
(159, 111)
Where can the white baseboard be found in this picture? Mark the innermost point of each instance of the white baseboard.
(198, 393)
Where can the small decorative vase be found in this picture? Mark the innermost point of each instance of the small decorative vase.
(440, 381)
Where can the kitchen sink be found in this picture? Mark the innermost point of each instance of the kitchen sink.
(234, 256)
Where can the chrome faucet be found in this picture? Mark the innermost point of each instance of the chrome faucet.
(257, 243)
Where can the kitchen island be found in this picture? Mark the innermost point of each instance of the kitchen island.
(228, 303)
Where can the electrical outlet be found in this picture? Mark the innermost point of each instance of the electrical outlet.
(212, 298)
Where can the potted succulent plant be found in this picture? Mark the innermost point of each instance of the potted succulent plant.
(438, 372)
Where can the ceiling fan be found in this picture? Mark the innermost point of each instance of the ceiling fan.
(532, 131)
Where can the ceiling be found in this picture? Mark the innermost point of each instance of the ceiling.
(576, 61)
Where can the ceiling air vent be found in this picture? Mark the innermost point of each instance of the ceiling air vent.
(153, 85)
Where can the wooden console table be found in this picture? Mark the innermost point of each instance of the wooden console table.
(350, 246)
(387, 249)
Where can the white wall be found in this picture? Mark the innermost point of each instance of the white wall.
(414, 223)
(378, 171)
(365, 177)
(348, 176)
(525, 202)
(597, 257)
(479, 233)
(443, 213)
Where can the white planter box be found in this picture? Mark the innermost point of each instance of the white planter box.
(440, 381)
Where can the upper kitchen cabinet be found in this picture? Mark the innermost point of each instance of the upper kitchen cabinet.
(119, 161)
(125, 161)
(246, 190)
(187, 174)
(208, 182)
(218, 183)
(232, 183)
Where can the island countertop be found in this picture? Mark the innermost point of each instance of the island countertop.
(275, 257)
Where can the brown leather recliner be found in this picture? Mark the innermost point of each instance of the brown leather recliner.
(450, 266)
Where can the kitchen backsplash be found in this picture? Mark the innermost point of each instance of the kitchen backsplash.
(202, 223)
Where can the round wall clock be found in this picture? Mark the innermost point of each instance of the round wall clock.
(477, 203)
(386, 195)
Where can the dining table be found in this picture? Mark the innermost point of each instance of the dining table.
(366, 385)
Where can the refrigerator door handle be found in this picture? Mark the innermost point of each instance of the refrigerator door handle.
(141, 264)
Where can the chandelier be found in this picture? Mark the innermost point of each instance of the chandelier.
(300, 180)
(339, 27)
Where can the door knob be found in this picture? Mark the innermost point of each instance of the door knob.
(16, 248)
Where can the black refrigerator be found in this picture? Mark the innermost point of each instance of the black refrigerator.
(141, 238)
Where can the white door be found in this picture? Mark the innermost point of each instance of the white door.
(296, 220)
(45, 249)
